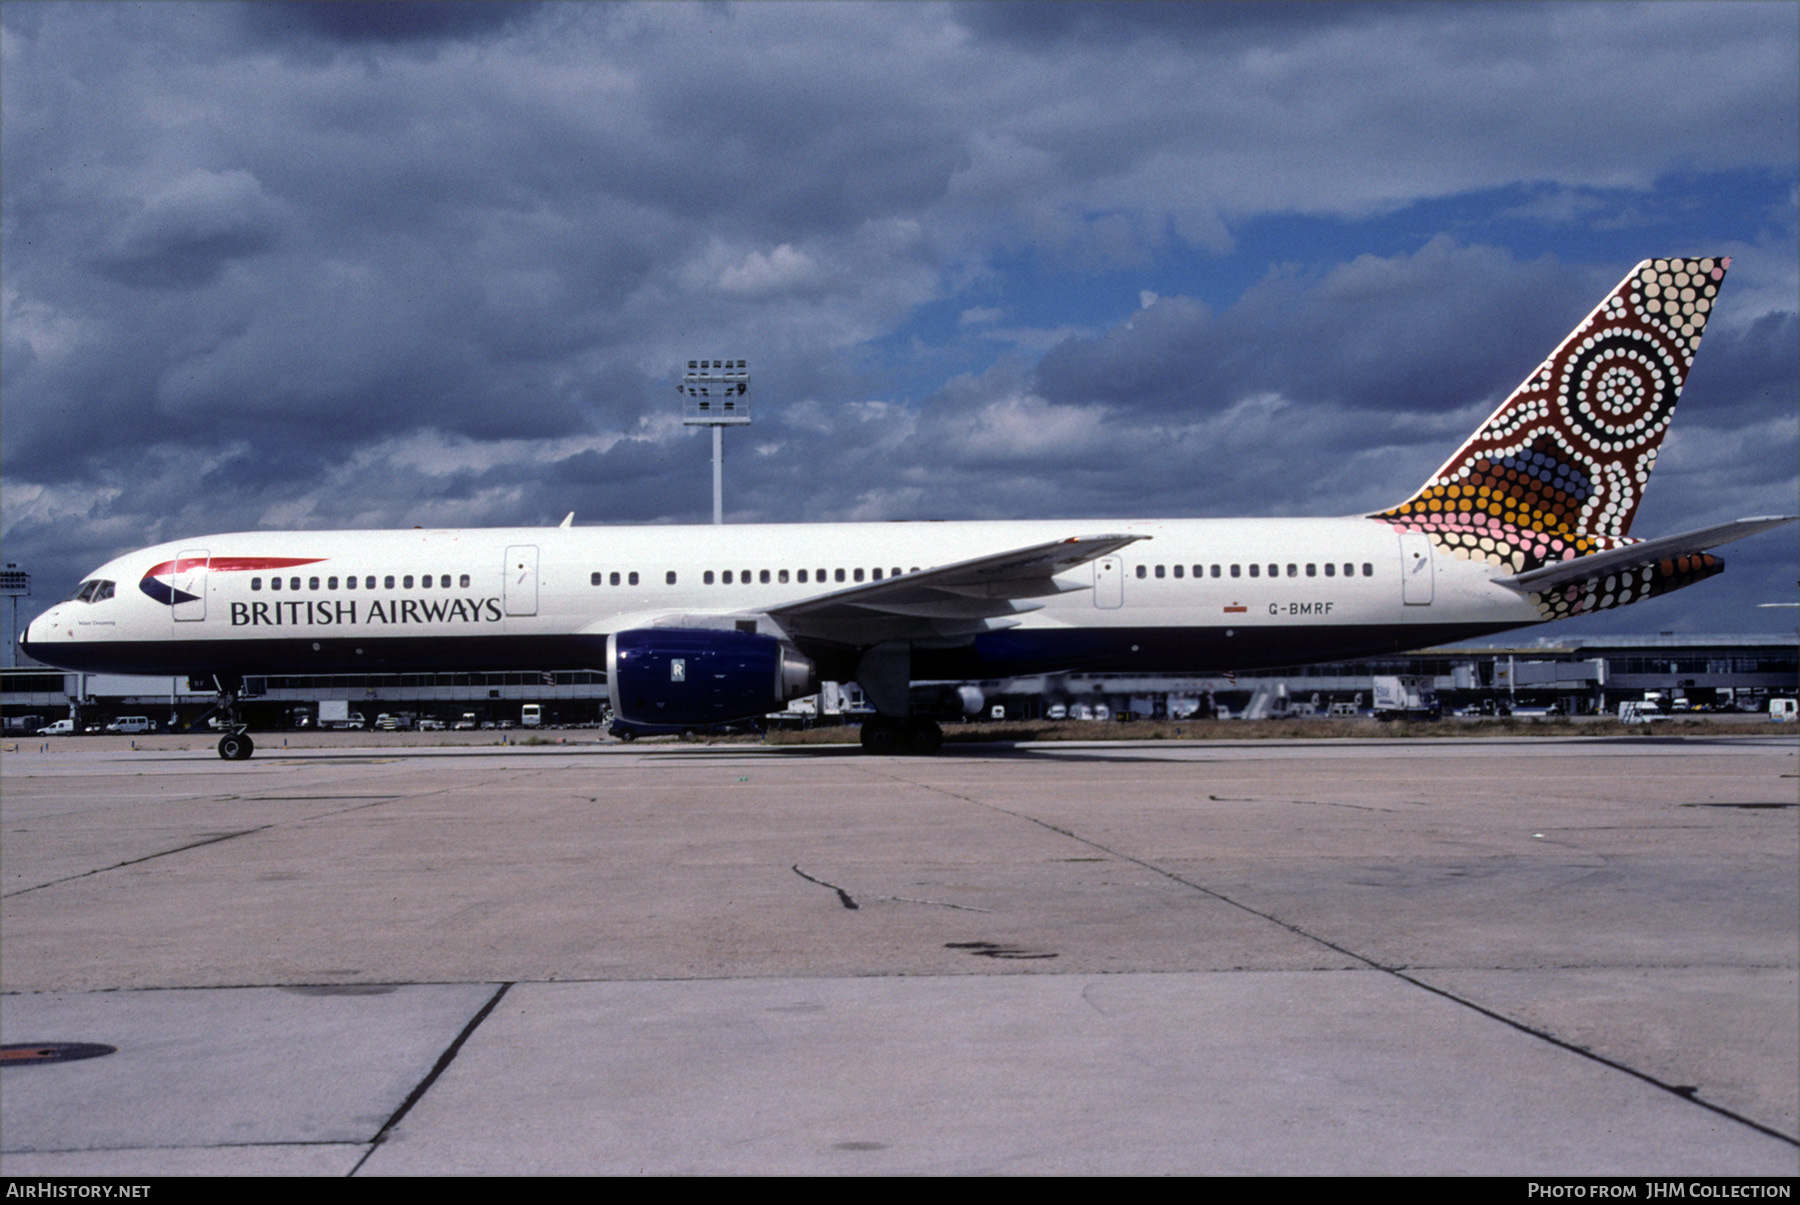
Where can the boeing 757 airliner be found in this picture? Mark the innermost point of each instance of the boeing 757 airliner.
(1527, 522)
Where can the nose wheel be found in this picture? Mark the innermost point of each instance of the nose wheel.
(236, 746)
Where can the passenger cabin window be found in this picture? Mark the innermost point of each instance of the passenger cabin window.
(406, 582)
(669, 578)
(593, 579)
(763, 577)
(312, 583)
(1368, 569)
(387, 583)
(256, 583)
(1255, 570)
(631, 579)
(1234, 571)
(465, 581)
(1141, 572)
(802, 576)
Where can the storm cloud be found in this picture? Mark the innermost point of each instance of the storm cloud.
(346, 265)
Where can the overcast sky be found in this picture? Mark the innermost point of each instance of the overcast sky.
(319, 266)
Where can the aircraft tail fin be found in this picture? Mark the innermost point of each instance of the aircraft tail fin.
(1559, 469)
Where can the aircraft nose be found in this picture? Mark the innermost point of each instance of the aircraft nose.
(34, 634)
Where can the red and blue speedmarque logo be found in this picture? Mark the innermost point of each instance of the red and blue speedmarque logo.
(159, 582)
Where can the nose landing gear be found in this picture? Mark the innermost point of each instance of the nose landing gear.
(236, 744)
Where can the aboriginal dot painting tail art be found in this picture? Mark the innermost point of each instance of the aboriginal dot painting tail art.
(1559, 469)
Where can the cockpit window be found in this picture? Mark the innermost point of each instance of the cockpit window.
(93, 591)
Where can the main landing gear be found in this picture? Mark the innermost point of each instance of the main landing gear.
(236, 744)
(884, 734)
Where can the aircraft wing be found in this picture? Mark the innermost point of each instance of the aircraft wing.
(1645, 552)
(949, 602)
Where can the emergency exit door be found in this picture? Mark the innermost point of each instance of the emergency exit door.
(1109, 582)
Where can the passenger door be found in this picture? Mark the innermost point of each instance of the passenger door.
(1416, 574)
(189, 583)
(1109, 582)
(521, 586)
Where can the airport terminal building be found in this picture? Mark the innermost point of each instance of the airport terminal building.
(1571, 675)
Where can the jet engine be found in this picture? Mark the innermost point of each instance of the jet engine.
(702, 675)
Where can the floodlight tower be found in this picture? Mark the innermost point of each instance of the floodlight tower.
(718, 396)
(15, 584)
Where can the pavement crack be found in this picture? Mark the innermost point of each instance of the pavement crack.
(1687, 1092)
(843, 896)
(902, 899)
(1312, 803)
(161, 853)
(431, 1077)
(1397, 970)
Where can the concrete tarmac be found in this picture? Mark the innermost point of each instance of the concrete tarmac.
(1448, 956)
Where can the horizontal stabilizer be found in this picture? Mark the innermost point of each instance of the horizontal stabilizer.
(1645, 552)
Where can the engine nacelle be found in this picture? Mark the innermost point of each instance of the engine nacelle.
(702, 675)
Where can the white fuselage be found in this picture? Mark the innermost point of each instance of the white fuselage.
(1194, 594)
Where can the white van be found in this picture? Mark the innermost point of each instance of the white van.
(131, 725)
(531, 715)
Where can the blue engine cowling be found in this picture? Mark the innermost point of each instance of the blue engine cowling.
(702, 675)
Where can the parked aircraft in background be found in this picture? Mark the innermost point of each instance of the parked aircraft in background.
(1527, 522)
